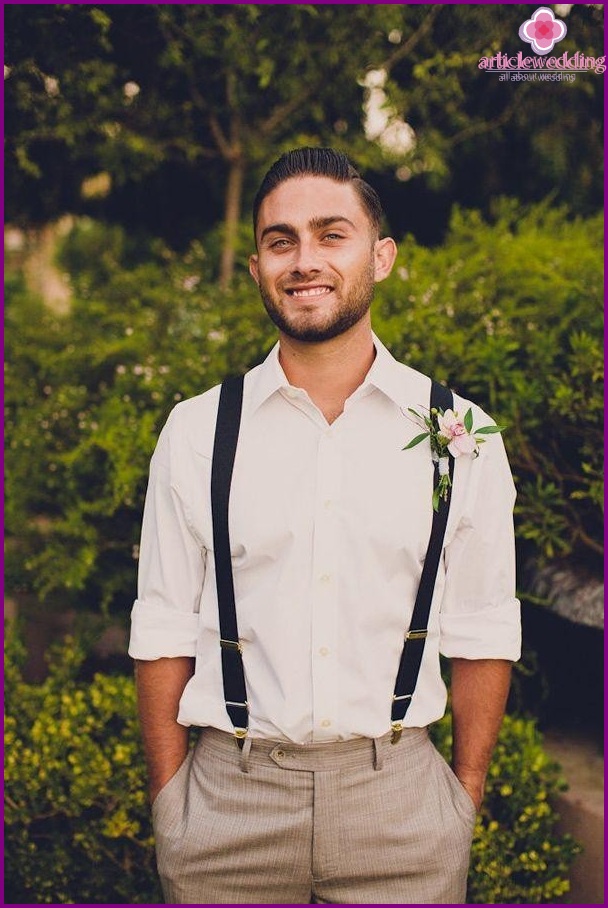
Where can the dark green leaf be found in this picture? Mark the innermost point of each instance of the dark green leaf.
(489, 430)
(416, 441)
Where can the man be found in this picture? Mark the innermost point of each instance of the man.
(309, 794)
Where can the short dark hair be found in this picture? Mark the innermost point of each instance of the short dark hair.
(319, 162)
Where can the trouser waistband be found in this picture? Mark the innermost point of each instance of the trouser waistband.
(317, 757)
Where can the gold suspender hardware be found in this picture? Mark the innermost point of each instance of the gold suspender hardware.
(397, 728)
(239, 735)
(417, 635)
(231, 644)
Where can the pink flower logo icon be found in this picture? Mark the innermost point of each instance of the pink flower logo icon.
(543, 30)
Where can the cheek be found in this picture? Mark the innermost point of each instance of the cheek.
(270, 270)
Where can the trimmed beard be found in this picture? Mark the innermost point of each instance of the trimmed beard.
(349, 313)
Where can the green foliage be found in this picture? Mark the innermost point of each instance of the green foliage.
(192, 84)
(517, 858)
(87, 394)
(76, 810)
(478, 137)
(510, 314)
(77, 819)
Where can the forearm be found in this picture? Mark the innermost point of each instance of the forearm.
(479, 694)
(160, 684)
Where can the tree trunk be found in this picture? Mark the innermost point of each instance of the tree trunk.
(232, 213)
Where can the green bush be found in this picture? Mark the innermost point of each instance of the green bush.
(87, 394)
(517, 858)
(77, 827)
(77, 822)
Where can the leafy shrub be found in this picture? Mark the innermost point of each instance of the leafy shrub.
(517, 858)
(87, 394)
(77, 826)
(77, 821)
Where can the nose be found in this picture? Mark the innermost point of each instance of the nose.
(306, 259)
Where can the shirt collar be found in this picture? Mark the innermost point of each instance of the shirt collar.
(267, 378)
(389, 376)
(397, 381)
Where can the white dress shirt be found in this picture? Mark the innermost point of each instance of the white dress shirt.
(329, 528)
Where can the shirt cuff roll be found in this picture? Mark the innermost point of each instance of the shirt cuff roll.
(159, 631)
(493, 632)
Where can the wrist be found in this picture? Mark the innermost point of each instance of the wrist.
(473, 781)
(161, 775)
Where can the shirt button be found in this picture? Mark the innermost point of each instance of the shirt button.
(325, 723)
(324, 651)
(325, 578)
(279, 754)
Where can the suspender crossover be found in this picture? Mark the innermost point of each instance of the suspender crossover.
(235, 691)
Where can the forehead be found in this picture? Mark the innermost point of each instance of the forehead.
(300, 200)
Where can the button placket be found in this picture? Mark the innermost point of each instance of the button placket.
(325, 588)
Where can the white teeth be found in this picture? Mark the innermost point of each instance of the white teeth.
(312, 291)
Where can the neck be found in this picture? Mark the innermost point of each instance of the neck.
(331, 370)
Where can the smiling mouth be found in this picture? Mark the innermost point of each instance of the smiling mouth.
(310, 292)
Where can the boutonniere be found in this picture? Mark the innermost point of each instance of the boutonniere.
(449, 434)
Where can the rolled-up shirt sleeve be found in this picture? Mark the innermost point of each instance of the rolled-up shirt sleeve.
(480, 614)
(164, 618)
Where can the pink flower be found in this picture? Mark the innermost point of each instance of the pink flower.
(453, 431)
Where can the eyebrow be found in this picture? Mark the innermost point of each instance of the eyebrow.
(314, 224)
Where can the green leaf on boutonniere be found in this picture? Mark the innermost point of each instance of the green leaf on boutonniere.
(489, 430)
(425, 419)
(468, 420)
(416, 440)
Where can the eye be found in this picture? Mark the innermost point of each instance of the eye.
(281, 243)
(333, 236)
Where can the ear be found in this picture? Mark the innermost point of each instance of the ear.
(385, 253)
(253, 268)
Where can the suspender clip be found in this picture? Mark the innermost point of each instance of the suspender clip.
(240, 734)
(231, 644)
(397, 728)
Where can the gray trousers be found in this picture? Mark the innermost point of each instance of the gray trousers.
(355, 822)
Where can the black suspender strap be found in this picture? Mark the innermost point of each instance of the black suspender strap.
(415, 638)
(224, 451)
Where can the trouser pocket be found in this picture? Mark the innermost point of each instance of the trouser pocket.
(167, 803)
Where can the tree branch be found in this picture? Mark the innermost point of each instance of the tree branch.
(283, 111)
(588, 541)
(422, 30)
(484, 126)
(222, 142)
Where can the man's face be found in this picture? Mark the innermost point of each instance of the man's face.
(318, 258)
